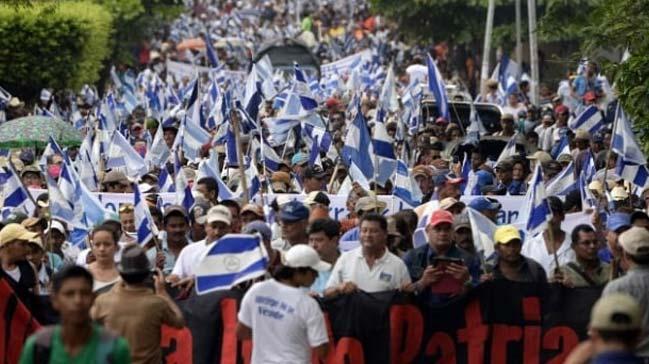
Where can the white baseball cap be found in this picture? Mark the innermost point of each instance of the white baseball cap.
(304, 256)
(219, 213)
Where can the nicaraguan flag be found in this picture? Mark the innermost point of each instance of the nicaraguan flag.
(510, 149)
(405, 186)
(437, 88)
(631, 162)
(536, 210)
(212, 57)
(482, 230)
(591, 119)
(358, 150)
(184, 195)
(15, 194)
(562, 148)
(301, 88)
(165, 182)
(233, 259)
(562, 183)
(205, 170)
(384, 152)
(143, 218)
(122, 155)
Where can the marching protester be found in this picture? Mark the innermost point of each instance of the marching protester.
(343, 162)
(285, 323)
(76, 339)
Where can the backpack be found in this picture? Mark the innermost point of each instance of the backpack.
(43, 346)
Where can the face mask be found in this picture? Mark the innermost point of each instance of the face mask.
(151, 256)
(54, 171)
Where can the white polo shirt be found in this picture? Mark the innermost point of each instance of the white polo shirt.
(535, 248)
(388, 272)
(189, 258)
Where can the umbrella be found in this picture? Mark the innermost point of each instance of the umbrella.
(35, 131)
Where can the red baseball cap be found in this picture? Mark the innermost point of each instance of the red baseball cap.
(440, 217)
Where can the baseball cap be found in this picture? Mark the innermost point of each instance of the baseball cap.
(56, 225)
(484, 203)
(13, 232)
(133, 261)
(30, 169)
(450, 202)
(260, 227)
(484, 178)
(461, 221)
(304, 256)
(15, 217)
(582, 134)
(422, 171)
(440, 217)
(618, 193)
(505, 165)
(618, 220)
(176, 210)
(219, 213)
(299, 159)
(564, 158)
(369, 203)
(616, 312)
(114, 177)
(317, 197)
(313, 172)
(253, 208)
(293, 211)
(280, 181)
(635, 241)
(507, 116)
(540, 156)
(506, 233)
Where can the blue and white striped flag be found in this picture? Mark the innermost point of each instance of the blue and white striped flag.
(405, 186)
(16, 196)
(437, 88)
(509, 150)
(122, 155)
(205, 170)
(212, 57)
(165, 182)
(184, 195)
(482, 230)
(358, 150)
(301, 88)
(233, 259)
(563, 182)
(536, 210)
(591, 119)
(143, 220)
(384, 154)
(562, 148)
(631, 161)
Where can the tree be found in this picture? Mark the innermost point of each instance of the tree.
(619, 25)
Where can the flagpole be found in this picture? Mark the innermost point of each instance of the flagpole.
(330, 185)
(608, 152)
(237, 137)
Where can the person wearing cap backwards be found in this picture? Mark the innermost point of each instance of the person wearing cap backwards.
(421, 261)
(541, 248)
(635, 255)
(489, 207)
(284, 322)
(313, 179)
(614, 331)
(293, 220)
(76, 340)
(14, 266)
(587, 270)
(138, 306)
(371, 267)
(218, 223)
(509, 263)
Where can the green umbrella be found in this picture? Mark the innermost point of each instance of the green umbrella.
(35, 131)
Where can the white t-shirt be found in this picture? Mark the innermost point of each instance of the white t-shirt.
(285, 321)
(14, 274)
(388, 273)
(189, 258)
(535, 248)
(418, 73)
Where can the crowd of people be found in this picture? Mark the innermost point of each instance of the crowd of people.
(108, 291)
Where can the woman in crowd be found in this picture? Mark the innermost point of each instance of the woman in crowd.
(103, 269)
